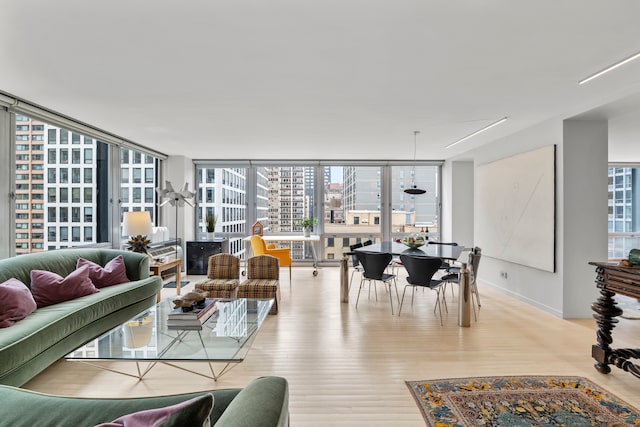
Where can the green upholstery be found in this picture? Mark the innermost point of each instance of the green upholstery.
(49, 333)
(263, 403)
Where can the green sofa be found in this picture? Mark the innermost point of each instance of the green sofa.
(262, 403)
(49, 333)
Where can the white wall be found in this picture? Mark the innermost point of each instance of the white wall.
(539, 288)
(584, 212)
(581, 221)
(624, 138)
(457, 202)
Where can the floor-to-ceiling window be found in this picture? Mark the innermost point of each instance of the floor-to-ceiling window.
(62, 186)
(56, 186)
(347, 200)
(222, 192)
(414, 213)
(352, 207)
(624, 210)
(280, 196)
(138, 182)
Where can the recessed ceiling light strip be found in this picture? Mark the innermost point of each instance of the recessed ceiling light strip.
(612, 67)
(496, 123)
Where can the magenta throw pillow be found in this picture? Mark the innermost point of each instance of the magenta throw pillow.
(50, 288)
(113, 273)
(16, 302)
(192, 412)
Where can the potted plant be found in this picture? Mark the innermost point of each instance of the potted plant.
(306, 224)
(210, 222)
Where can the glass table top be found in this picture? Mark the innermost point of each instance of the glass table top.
(225, 337)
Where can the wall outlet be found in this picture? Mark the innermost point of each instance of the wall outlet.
(503, 274)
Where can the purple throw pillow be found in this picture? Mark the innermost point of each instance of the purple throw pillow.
(113, 273)
(16, 302)
(192, 412)
(50, 288)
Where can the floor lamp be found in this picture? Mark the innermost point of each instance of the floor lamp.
(175, 198)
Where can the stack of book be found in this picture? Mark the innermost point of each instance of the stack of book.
(178, 319)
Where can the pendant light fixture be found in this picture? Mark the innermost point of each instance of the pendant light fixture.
(414, 189)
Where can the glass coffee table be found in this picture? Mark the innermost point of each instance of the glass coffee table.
(225, 338)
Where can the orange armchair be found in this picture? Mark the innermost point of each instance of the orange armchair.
(259, 247)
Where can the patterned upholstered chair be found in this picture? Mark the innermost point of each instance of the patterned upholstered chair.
(223, 277)
(263, 280)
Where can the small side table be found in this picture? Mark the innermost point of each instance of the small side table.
(158, 267)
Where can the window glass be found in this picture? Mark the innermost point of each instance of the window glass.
(132, 187)
(623, 211)
(222, 192)
(349, 209)
(290, 200)
(414, 213)
(53, 197)
(351, 201)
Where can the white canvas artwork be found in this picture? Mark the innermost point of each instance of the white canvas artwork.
(515, 209)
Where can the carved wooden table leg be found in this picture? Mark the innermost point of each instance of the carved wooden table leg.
(620, 358)
(606, 313)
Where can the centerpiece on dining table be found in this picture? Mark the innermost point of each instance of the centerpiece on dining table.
(414, 241)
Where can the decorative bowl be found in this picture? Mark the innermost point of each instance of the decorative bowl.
(414, 241)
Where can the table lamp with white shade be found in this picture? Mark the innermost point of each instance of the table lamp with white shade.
(137, 225)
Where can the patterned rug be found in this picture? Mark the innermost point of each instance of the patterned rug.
(520, 401)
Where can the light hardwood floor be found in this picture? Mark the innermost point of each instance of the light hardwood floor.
(348, 367)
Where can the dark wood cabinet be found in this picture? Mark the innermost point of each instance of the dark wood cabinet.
(198, 254)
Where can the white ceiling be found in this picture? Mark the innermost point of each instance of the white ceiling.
(323, 79)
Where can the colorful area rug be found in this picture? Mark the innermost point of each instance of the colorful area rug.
(520, 401)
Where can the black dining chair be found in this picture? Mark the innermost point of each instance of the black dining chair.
(374, 264)
(421, 270)
(445, 264)
(357, 267)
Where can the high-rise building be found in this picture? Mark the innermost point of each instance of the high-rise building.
(362, 190)
(288, 201)
(624, 194)
(222, 193)
(30, 185)
(65, 167)
(71, 197)
(624, 212)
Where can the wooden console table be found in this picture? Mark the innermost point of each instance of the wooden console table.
(613, 279)
(158, 267)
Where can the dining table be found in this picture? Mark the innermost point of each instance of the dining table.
(448, 252)
(431, 249)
